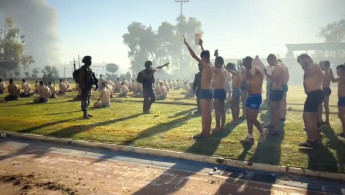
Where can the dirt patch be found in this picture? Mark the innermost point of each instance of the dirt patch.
(27, 184)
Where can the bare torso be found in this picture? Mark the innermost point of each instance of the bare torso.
(277, 77)
(219, 78)
(236, 80)
(341, 87)
(326, 79)
(255, 83)
(312, 78)
(286, 74)
(206, 75)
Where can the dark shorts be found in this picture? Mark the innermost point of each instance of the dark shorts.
(1, 91)
(206, 94)
(327, 91)
(341, 102)
(285, 88)
(313, 101)
(236, 93)
(219, 94)
(276, 95)
(254, 101)
(244, 86)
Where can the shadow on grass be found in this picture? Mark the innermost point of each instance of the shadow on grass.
(73, 130)
(30, 129)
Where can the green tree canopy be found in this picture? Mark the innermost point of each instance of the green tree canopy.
(112, 68)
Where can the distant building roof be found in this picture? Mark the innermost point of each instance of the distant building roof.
(315, 46)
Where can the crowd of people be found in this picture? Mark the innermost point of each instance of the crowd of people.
(213, 84)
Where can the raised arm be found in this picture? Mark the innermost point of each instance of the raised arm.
(191, 51)
(200, 43)
(334, 80)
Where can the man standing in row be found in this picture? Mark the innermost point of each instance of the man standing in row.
(341, 95)
(326, 88)
(236, 92)
(206, 89)
(312, 87)
(86, 80)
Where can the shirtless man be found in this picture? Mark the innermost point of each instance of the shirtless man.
(27, 89)
(341, 95)
(44, 93)
(206, 89)
(123, 90)
(285, 90)
(53, 90)
(13, 91)
(220, 75)
(36, 86)
(244, 91)
(62, 87)
(162, 92)
(104, 98)
(254, 100)
(276, 93)
(2, 86)
(236, 92)
(326, 83)
(312, 87)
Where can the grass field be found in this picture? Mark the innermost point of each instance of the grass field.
(123, 123)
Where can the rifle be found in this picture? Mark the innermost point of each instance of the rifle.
(166, 64)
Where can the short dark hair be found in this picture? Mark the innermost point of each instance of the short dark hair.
(41, 82)
(326, 63)
(341, 67)
(60, 80)
(23, 80)
(36, 81)
(248, 58)
(11, 80)
(303, 56)
(231, 66)
(49, 82)
(206, 54)
(86, 58)
(148, 63)
(272, 56)
(220, 60)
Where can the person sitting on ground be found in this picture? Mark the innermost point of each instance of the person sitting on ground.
(2, 86)
(117, 86)
(100, 81)
(104, 98)
(44, 93)
(78, 97)
(110, 88)
(190, 92)
(13, 91)
(27, 89)
(162, 93)
(53, 90)
(123, 90)
(62, 87)
(67, 85)
(341, 95)
(36, 86)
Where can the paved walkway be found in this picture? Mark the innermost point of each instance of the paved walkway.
(43, 168)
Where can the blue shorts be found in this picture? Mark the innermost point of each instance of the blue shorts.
(341, 102)
(254, 101)
(327, 91)
(236, 92)
(219, 94)
(285, 88)
(206, 94)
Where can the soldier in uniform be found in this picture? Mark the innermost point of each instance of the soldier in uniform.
(86, 80)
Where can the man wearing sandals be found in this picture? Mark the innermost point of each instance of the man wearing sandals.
(312, 87)
(341, 95)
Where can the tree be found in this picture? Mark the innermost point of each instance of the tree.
(35, 72)
(161, 46)
(50, 74)
(11, 48)
(27, 74)
(112, 68)
(17, 73)
(333, 33)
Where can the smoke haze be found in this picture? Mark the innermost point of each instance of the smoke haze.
(38, 22)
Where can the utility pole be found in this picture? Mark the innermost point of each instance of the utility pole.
(181, 1)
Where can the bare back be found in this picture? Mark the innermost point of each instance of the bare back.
(341, 87)
(277, 77)
(312, 78)
(236, 80)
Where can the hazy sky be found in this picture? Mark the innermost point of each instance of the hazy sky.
(236, 28)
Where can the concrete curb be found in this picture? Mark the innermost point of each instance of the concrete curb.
(181, 155)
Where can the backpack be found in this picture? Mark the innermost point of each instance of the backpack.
(140, 77)
(76, 75)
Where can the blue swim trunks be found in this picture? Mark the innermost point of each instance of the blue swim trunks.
(285, 88)
(206, 94)
(327, 91)
(254, 101)
(341, 102)
(236, 92)
(219, 94)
